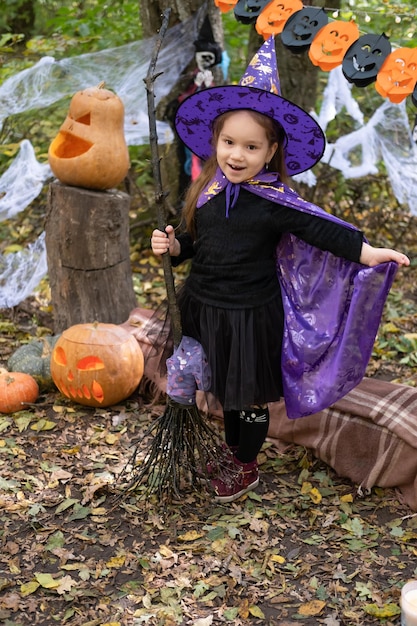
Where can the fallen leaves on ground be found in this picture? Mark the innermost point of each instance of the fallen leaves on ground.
(304, 548)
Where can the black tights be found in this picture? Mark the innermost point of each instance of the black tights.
(246, 431)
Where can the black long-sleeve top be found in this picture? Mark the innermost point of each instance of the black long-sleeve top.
(233, 258)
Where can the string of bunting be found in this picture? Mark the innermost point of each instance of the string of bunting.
(365, 59)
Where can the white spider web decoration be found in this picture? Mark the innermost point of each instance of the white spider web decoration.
(123, 69)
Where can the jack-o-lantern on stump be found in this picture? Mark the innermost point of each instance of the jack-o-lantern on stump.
(90, 149)
(97, 364)
(87, 222)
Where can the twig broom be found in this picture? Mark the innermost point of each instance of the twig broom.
(183, 444)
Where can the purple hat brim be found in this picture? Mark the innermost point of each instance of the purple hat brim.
(195, 115)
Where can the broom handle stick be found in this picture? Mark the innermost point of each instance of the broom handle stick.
(160, 195)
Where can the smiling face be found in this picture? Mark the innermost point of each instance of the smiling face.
(243, 147)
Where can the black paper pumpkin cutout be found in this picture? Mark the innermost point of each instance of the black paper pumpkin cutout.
(247, 11)
(364, 59)
(301, 28)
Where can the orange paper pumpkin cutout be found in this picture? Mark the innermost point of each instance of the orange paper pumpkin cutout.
(397, 77)
(225, 5)
(331, 43)
(274, 16)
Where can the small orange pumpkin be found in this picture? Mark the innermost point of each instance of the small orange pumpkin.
(90, 149)
(274, 16)
(331, 43)
(17, 390)
(96, 364)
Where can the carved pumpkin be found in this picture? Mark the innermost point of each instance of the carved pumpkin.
(301, 28)
(90, 149)
(331, 43)
(17, 390)
(225, 6)
(397, 77)
(364, 59)
(248, 11)
(97, 364)
(273, 17)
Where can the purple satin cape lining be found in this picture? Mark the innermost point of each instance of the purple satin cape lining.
(332, 306)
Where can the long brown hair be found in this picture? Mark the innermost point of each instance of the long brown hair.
(274, 133)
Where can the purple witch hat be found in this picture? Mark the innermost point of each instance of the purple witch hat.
(258, 90)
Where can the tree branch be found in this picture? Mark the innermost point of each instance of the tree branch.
(160, 195)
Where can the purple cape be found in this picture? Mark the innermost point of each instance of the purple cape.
(332, 306)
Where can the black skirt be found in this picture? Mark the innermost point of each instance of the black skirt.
(243, 348)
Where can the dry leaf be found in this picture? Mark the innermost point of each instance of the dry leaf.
(312, 608)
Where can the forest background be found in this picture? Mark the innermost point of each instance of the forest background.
(305, 548)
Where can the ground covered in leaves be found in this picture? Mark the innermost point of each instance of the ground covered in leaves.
(303, 549)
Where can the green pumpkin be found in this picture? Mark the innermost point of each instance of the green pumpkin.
(34, 358)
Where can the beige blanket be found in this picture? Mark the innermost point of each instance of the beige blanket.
(370, 436)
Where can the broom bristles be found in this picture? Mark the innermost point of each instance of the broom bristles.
(183, 446)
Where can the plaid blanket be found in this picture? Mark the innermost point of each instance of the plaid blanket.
(369, 436)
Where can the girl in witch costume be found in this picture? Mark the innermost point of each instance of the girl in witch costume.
(284, 298)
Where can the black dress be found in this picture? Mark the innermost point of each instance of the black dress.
(231, 301)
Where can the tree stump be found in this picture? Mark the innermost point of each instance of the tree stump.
(87, 245)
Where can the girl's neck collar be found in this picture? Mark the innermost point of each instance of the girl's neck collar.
(263, 176)
(220, 182)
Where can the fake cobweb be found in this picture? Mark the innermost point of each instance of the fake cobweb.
(385, 138)
(123, 70)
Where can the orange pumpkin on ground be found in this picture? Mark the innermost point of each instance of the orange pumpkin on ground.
(97, 364)
(17, 390)
(90, 149)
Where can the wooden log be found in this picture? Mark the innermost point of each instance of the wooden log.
(87, 245)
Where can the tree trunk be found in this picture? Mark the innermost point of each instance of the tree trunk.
(151, 12)
(87, 244)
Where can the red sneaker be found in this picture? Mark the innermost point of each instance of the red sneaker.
(233, 485)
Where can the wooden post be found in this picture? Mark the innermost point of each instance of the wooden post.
(87, 245)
